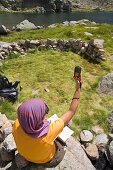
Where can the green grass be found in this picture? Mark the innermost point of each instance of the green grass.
(54, 70)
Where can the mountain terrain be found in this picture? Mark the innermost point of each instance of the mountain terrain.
(55, 5)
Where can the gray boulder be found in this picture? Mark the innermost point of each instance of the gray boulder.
(109, 153)
(101, 140)
(98, 43)
(86, 136)
(75, 157)
(105, 86)
(73, 23)
(66, 23)
(84, 22)
(9, 143)
(25, 25)
(4, 44)
(3, 30)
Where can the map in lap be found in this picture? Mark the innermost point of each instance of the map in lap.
(66, 133)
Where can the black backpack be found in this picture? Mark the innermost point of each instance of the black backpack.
(8, 90)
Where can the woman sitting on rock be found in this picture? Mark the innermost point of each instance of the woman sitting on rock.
(35, 136)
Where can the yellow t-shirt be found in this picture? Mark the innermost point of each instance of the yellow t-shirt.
(37, 150)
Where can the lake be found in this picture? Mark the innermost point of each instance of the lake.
(11, 19)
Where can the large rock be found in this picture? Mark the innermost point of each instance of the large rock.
(25, 25)
(4, 44)
(105, 86)
(101, 140)
(75, 157)
(98, 43)
(3, 30)
(9, 143)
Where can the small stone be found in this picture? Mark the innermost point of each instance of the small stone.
(15, 52)
(92, 151)
(97, 129)
(101, 140)
(46, 89)
(101, 52)
(52, 26)
(88, 34)
(42, 47)
(83, 50)
(86, 136)
(92, 27)
(35, 92)
(110, 136)
(23, 53)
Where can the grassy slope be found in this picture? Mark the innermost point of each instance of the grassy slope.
(54, 70)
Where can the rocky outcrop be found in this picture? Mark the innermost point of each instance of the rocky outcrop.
(56, 5)
(94, 52)
(48, 5)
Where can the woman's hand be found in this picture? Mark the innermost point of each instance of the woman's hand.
(78, 81)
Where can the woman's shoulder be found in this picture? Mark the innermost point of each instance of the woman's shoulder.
(16, 124)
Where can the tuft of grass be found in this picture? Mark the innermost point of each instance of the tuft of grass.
(8, 109)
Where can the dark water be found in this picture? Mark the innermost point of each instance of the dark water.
(11, 19)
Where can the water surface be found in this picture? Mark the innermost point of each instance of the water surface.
(11, 19)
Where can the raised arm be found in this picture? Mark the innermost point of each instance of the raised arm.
(66, 117)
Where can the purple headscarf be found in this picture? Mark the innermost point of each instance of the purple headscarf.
(31, 118)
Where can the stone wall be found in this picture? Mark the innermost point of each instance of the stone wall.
(94, 49)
